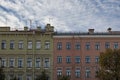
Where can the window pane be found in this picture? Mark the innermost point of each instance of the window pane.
(38, 45)
(47, 45)
(87, 73)
(59, 59)
(37, 65)
(20, 77)
(3, 44)
(87, 45)
(46, 63)
(59, 72)
(77, 45)
(29, 62)
(68, 45)
(29, 77)
(59, 45)
(3, 63)
(29, 44)
(12, 44)
(96, 59)
(20, 62)
(20, 44)
(115, 45)
(68, 72)
(11, 62)
(97, 46)
(68, 59)
(107, 45)
(77, 72)
(87, 59)
(77, 59)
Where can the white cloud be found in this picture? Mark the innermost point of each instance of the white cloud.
(65, 15)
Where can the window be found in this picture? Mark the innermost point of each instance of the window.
(46, 63)
(115, 45)
(88, 46)
(37, 63)
(68, 46)
(97, 46)
(12, 44)
(68, 59)
(29, 62)
(11, 76)
(38, 44)
(77, 46)
(59, 72)
(59, 59)
(29, 44)
(3, 62)
(68, 72)
(87, 73)
(11, 62)
(77, 59)
(96, 59)
(107, 45)
(87, 59)
(20, 44)
(3, 44)
(59, 45)
(20, 62)
(20, 77)
(47, 45)
(29, 77)
(77, 72)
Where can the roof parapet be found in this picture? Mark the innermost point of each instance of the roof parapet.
(4, 28)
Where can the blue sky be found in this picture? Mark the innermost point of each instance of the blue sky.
(64, 15)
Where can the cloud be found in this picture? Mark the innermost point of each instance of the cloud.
(64, 15)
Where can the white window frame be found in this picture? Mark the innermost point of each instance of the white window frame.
(47, 62)
(3, 44)
(87, 73)
(77, 72)
(11, 62)
(37, 63)
(38, 44)
(29, 62)
(20, 77)
(59, 72)
(29, 77)
(68, 72)
(12, 44)
(30, 45)
(77, 59)
(47, 44)
(3, 62)
(20, 62)
(20, 44)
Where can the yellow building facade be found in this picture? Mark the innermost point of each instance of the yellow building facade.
(25, 53)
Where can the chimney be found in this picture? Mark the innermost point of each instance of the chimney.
(25, 28)
(109, 29)
(91, 31)
(38, 28)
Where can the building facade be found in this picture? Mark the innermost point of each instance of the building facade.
(25, 54)
(77, 54)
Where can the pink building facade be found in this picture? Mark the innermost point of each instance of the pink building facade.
(77, 54)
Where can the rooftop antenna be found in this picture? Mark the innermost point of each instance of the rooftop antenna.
(50, 19)
(36, 22)
(30, 23)
(6, 21)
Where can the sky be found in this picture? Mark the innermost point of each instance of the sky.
(64, 15)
